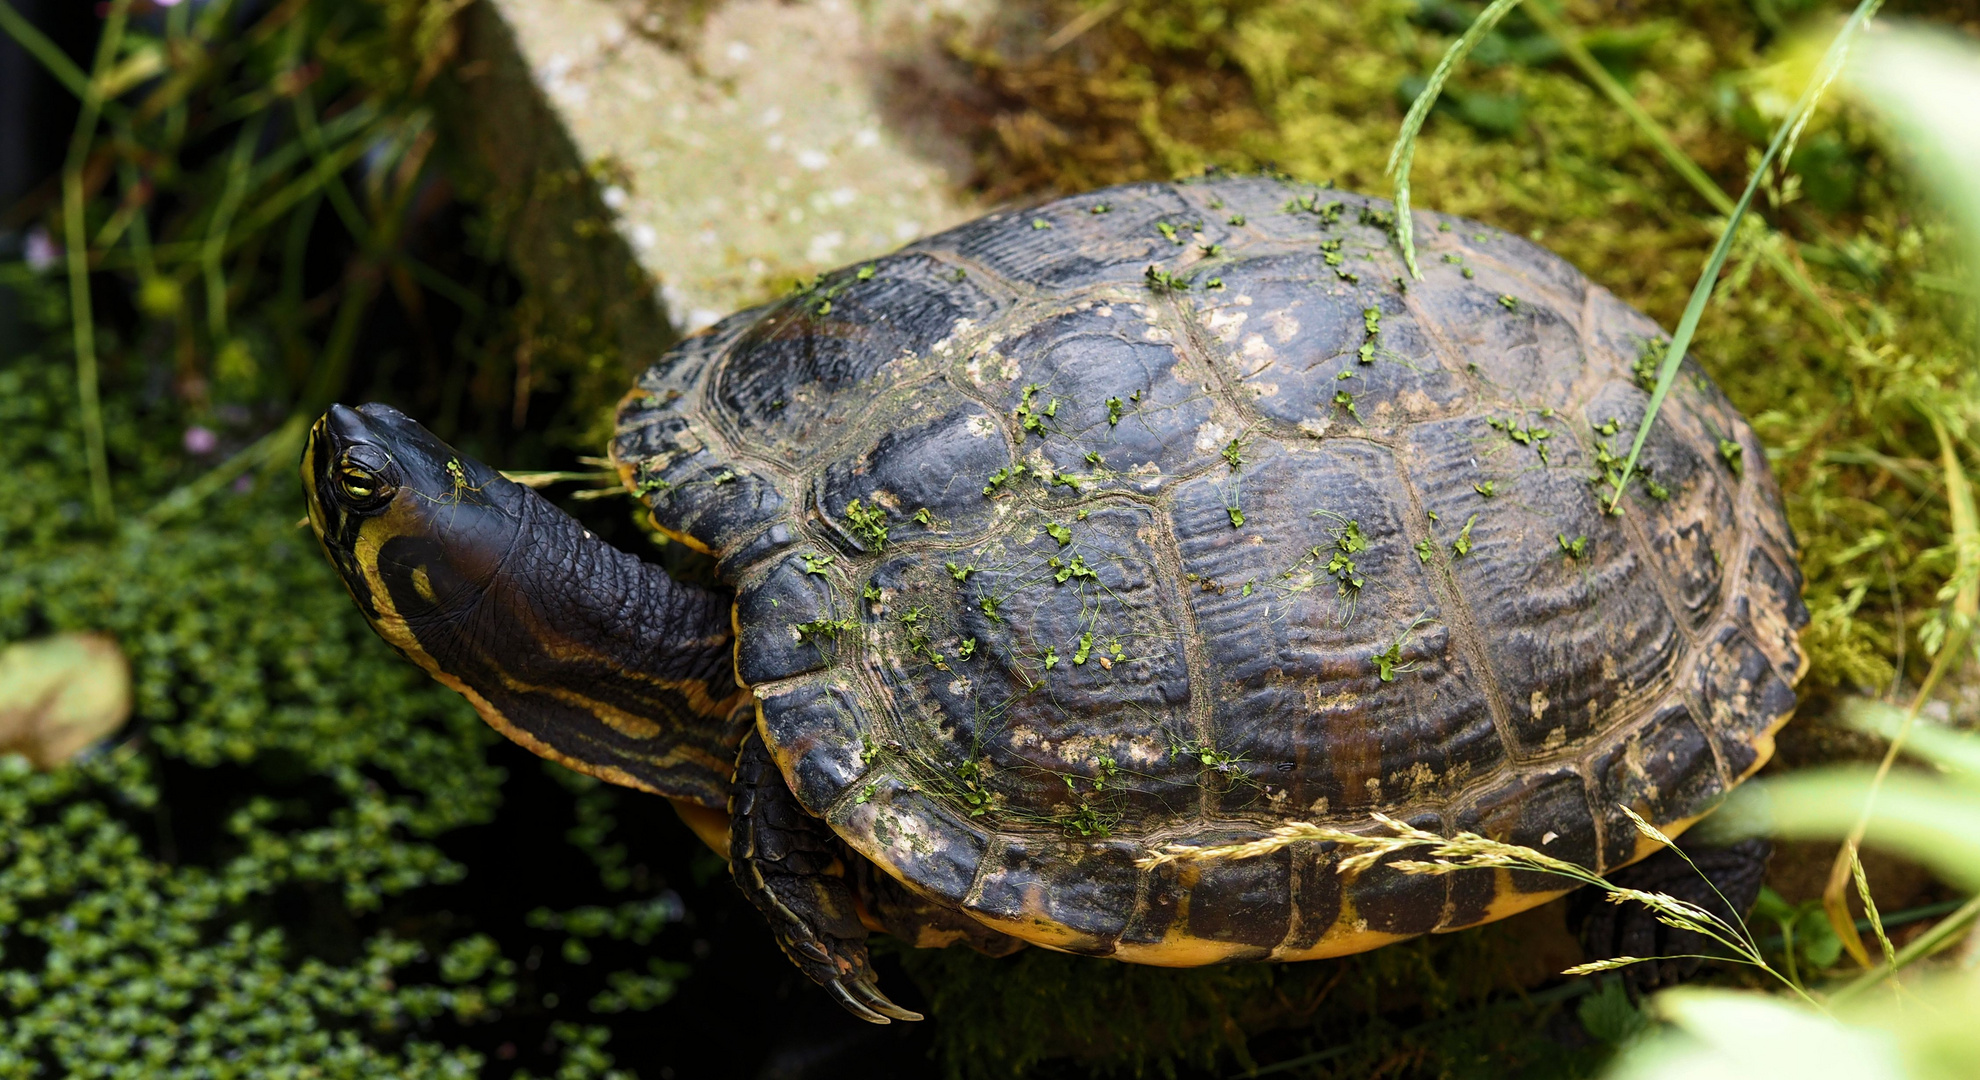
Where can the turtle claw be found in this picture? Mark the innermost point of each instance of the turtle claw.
(862, 997)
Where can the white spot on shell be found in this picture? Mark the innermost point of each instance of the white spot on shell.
(1549, 837)
(1211, 437)
(1225, 323)
(1539, 703)
(1284, 327)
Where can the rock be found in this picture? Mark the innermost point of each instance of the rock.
(655, 171)
(60, 694)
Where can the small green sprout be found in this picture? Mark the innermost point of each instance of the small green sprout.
(1469, 273)
(1160, 280)
(989, 606)
(871, 593)
(1488, 489)
(1575, 548)
(816, 564)
(923, 517)
(967, 649)
(1509, 301)
(1040, 223)
(1168, 232)
(1063, 572)
(1233, 455)
(1237, 516)
(1058, 532)
(1085, 648)
(1214, 283)
(866, 793)
(1346, 401)
(1099, 208)
(1389, 661)
(1348, 542)
(1113, 411)
(866, 272)
(1424, 549)
(1051, 657)
(1649, 358)
(1462, 545)
(960, 573)
(869, 524)
(1033, 419)
(1211, 250)
(823, 628)
(1246, 591)
(1733, 453)
(1236, 219)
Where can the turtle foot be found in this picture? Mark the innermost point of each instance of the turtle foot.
(793, 868)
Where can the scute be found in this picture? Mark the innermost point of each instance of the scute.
(1295, 345)
(1166, 514)
(1291, 638)
(807, 365)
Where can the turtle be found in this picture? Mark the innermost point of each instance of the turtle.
(1151, 518)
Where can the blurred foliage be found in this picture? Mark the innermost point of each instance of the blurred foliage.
(299, 858)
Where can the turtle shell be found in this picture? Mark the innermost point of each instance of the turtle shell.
(1170, 513)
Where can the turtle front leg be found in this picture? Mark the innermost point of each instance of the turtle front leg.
(793, 868)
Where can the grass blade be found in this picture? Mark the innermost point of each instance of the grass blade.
(75, 239)
(45, 51)
(1700, 294)
(1944, 933)
(1404, 151)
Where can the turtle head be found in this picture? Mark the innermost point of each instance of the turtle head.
(392, 503)
(578, 651)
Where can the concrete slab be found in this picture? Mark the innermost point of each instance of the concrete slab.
(655, 175)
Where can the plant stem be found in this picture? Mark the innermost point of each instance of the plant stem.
(1929, 942)
(283, 442)
(1404, 152)
(76, 240)
(38, 46)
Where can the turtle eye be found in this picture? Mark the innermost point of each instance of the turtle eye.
(360, 483)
